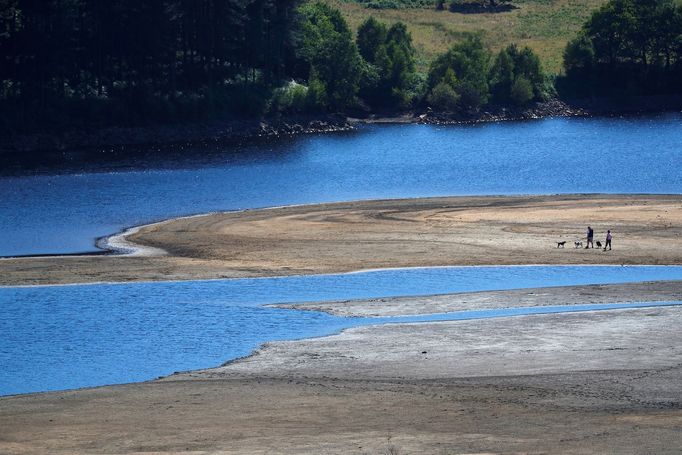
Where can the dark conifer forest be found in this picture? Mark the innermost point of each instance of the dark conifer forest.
(626, 48)
(87, 63)
(133, 61)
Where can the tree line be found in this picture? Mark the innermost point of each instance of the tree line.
(135, 60)
(626, 48)
(140, 61)
(86, 62)
(377, 69)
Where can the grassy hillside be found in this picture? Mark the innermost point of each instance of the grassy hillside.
(543, 25)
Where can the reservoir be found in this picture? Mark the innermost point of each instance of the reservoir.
(63, 337)
(65, 207)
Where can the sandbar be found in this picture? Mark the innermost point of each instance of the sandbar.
(351, 236)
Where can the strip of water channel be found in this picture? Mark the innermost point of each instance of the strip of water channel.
(65, 337)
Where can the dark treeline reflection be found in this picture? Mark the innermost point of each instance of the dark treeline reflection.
(131, 61)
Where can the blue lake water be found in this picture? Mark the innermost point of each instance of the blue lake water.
(62, 337)
(64, 211)
(75, 336)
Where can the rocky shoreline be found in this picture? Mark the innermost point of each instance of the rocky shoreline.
(551, 108)
(556, 108)
(219, 133)
(195, 134)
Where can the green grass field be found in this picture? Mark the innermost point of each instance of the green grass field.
(543, 25)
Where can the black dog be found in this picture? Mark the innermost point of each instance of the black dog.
(598, 244)
(560, 244)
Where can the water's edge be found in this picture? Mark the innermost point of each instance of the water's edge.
(419, 319)
(118, 244)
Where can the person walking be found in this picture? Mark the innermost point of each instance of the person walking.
(608, 240)
(590, 237)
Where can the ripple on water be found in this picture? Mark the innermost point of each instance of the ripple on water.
(62, 337)
(65, 213)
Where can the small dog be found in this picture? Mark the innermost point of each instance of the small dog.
(598, 244)
(578, 243)
(560, 244)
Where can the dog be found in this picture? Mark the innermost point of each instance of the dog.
(560, 244)
(598, 244)
(578, 243)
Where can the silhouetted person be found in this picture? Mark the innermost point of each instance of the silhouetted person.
(608, 240)
(590, 238)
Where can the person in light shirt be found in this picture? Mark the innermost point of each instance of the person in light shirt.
(608, 240)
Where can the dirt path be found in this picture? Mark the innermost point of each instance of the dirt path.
(343, 237)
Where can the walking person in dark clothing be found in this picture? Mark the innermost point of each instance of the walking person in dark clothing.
(608, 240)
(590, 237)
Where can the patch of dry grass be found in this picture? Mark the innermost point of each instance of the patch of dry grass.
(543, 25)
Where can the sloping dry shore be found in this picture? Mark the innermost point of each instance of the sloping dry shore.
(582, 383)
(343, 237)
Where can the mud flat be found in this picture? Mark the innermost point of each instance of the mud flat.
(654, 291)
(342, 237)
(594, 382)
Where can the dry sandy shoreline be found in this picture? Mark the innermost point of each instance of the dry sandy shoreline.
(343, 237)
(594, 382)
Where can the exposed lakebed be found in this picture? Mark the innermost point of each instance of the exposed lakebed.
(64, 209)
(62, 337)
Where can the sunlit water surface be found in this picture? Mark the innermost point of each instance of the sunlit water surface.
(65, 213)
(75, 336)
(62, 337)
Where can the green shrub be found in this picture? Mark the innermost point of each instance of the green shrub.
(444, 98)
(326, 44)
(512, 64)
(316, 97)
(416, 90)
(290, 98)
(521, 91)
(469, 62)
(395, 4)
